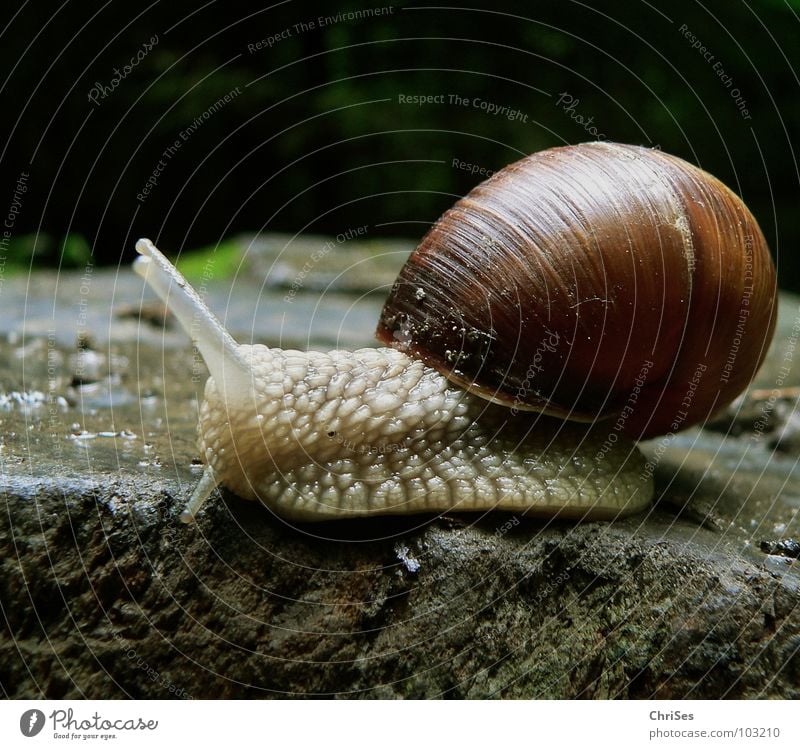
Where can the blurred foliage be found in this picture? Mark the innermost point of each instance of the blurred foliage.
(314, 138)
(218, 261)
(23, 248)
(73, 251)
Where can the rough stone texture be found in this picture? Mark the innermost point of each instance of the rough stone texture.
(105, 595)
(103, 592)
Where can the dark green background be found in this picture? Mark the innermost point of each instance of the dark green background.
(318, 142)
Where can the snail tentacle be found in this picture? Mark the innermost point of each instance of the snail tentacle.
(207, 484)
(221, 353)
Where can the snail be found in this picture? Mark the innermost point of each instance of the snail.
(579, 299)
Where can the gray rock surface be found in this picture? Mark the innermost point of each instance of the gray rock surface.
(105, 594)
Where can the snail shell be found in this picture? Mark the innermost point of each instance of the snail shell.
(576, 274)
(582, 282)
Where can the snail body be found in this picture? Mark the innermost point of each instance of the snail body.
(512, 311)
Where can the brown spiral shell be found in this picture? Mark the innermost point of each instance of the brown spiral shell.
(592, 281)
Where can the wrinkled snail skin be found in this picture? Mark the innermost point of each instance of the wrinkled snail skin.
(346, 434)
(319, 436)
(594, 283)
